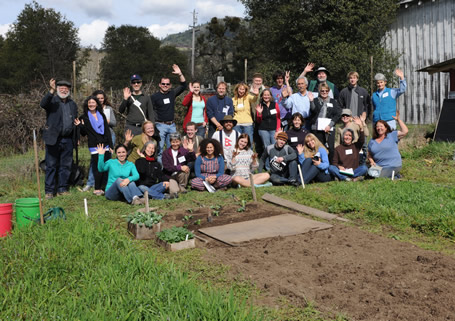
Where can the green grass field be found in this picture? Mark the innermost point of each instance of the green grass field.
(90, 268)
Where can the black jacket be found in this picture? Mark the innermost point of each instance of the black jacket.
(93, 137)
(151, 173)
(364, 99)
(333, 112)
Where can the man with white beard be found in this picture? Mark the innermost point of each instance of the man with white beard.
(58, 135)
(321, 77)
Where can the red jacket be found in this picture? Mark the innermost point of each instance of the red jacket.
(188, 102)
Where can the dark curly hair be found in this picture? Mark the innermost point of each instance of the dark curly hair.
(98, 105)
(216, 145)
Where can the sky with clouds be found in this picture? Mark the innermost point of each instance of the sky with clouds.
(92, 17)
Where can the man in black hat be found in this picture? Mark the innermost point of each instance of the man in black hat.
(227, 136)
(321, 74)
(138, 107)
(59, 136)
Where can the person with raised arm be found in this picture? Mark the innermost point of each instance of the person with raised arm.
(197, 112)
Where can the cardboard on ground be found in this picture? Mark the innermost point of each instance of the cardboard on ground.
(279, 225)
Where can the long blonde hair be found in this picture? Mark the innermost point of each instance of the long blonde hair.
(308, 152)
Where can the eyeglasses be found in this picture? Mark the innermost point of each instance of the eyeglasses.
(324, 91)
(165, 84)
(136, 82)
(345, 115)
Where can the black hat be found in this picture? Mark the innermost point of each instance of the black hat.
(317, 71)
(64, 82)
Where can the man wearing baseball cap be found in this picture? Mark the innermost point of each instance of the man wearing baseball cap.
(283, 161)
(385, 99)
(137, 106)
(59, 136)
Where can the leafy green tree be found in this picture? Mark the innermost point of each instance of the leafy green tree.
(130, 50)
(338, 34)
(40, 44)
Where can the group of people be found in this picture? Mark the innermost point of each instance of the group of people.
(268, 134)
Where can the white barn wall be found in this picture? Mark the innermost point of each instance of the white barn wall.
(424, 35)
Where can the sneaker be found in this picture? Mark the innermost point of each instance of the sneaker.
(348, 179)
(137, 201)
(49, 196)
(87, 188)
(98, 193)
(209, 187)
(358, 179)
(294, 182)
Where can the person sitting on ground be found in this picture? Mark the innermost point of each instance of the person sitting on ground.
(268, 118)
(135, 143)
(197, 112)
(175, 163)
(383, 148)
(351, 123)
(282, 160)
(244, 162)
(297, 131)
(314, 160)
(227, 137)
(94, 125)
(122, 175)
(346, 158)
(209, 168)
(152, 178)
(325, 113)
(111, 120)
(244, 112)
(192, 138)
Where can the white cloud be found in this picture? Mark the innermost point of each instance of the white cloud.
(161, 31)
(208, 9)
(4, 28)
(167, 7)
(96, 8)
(92, 34)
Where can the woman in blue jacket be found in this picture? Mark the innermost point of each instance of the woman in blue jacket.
(314, 160)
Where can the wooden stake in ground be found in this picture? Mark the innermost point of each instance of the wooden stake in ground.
(146, 196)
(35, 147)
(253, 189)
(86, 207)
(301, 176)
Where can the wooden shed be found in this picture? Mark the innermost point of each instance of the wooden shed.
(424, 35)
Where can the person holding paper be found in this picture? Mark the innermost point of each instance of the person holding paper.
(325, 112)
(314, 160)
(345, 164)
(137, 106)
(268, 118)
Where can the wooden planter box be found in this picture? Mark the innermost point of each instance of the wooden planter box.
(143, 232)
(190, 244)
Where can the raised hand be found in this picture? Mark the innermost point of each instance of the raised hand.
(126, 93)
(190, 86)
(287, 76)
(300, 149)
(310, 95)
(100, 149)
(399, 73)
(190, 146)
(52, 84)
(176, 70)
(309, 67)
(255, 89)
(259, 109)
(128, 136)
(140, 153)
(358, 121)
(284, 92)
(397, 116)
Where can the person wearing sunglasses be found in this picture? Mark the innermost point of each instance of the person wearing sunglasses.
(321, 75)
(164, 103)
(325, 112)
(137, 106)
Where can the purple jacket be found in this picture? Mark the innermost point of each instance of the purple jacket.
(168, 160)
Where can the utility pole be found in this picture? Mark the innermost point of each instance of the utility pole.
(193, 43)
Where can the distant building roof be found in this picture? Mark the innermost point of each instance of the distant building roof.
(444, 66)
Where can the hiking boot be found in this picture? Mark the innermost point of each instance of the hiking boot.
(137, 201)
(49, 196)
(65, 193)
(87, 188)
(358, 179)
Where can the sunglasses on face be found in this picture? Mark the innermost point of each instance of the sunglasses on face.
(165, 84)
(136, 82)
(324, 91)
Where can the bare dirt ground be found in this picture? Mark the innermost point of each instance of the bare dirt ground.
(343, 270)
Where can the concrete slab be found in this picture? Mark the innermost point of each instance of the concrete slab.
(280, 225)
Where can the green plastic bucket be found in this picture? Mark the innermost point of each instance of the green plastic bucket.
(27, 210)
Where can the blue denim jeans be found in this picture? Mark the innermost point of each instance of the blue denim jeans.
(247, 130)
(201, 131)
(359, 171)
(59, 159)
(267, 137)
(117, 193)
(165, 131)
(310, 172)
(156, 191)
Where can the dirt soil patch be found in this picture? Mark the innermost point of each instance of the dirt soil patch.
(341, 270)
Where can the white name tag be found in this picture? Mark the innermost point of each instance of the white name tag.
(137, 103)
(166, 101)
(284, 123)
(294, 139)
(329, 105)
(181, 159)
(348, 151)
(385, 95)
(240, 106)
(272, 111)
(226, 110)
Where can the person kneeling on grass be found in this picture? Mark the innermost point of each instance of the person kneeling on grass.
(209, 168)
(314, 160)
(244, 162)
(347, 156)
(121, 176)
(152, 178)
(175, 163)
(283, 161)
